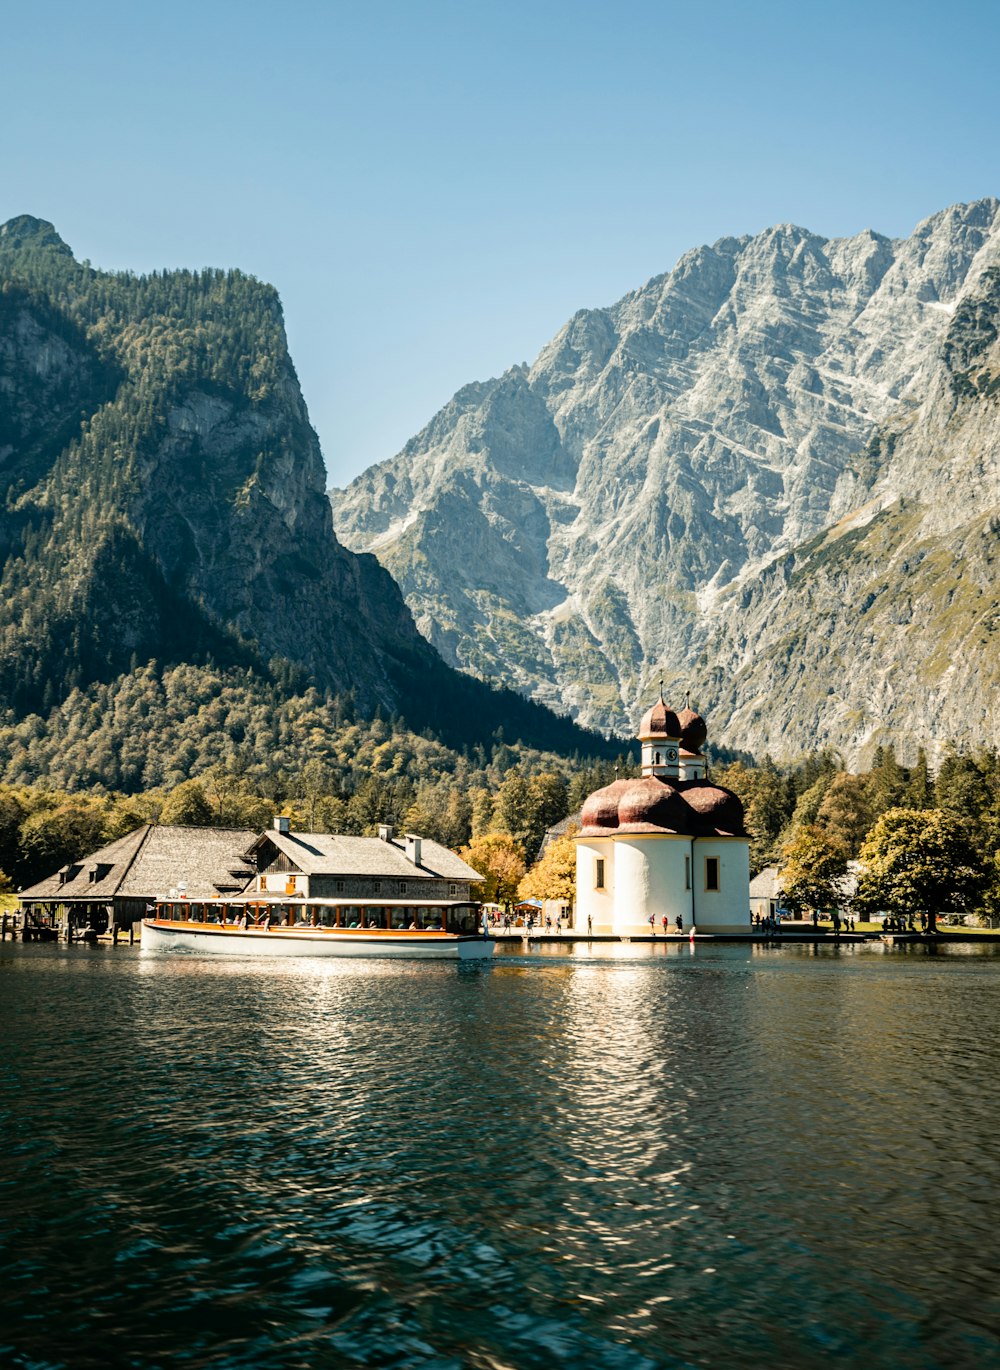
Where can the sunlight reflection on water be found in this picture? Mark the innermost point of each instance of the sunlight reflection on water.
(726, 1156)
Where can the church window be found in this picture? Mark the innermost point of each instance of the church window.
(656, 759)
(711, 872)
(687, 872)
(599, 874)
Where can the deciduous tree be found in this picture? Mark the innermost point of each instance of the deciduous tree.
(920, 861)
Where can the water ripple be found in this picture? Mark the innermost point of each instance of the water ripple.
(638, 1160)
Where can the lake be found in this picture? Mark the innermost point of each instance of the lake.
(627, 1157)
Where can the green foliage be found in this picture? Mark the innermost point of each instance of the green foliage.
(51, 837)
(920, 861)
(812, 868)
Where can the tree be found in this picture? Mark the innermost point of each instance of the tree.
(886, 780)
(846, 813)
(812, 867)
(50, 838)
(512, 808)
(766, 814)
(187, 806)
(920, 861)
(500, 860)
(553, 876)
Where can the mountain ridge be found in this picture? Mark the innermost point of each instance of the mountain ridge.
(675, 444)
(164, 499)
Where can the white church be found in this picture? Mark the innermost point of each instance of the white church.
(666, 844)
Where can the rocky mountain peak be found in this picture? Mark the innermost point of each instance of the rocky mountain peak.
(663, 452)
(25, 231)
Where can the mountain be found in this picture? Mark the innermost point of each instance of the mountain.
(665, 490)
(163, 497)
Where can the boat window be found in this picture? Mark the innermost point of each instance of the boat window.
(399, 918)
(327, 916)
(462, 920)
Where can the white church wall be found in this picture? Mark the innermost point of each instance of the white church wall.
(728, 907)
(650, 882)
(593, 901)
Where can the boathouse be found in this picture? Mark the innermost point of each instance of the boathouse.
(667, 844)
(115, 885)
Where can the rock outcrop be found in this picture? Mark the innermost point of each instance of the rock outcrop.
(163, 498)
(644, 499)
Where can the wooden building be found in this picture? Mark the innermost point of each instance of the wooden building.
(113, 887)
(313, 865)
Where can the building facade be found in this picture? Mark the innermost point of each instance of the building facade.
(666, 845)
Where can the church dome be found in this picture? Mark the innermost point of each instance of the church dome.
(716, 809)
(694, 731)
(652, 803)
(600, 810)
(659, 721)
(689, 808)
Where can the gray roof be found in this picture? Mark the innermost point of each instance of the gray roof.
(323, 853)
(152, 860)
(207, 861)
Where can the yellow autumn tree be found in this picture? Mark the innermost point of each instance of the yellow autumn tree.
(553, 876)
(500, 860)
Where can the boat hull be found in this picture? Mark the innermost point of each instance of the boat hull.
(309, 942)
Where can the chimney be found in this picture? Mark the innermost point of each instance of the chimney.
(413, 848)
(385, 832)
(281, 823)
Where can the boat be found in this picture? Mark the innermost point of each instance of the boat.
(252, 926)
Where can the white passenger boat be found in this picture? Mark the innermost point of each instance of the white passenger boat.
(252, 926)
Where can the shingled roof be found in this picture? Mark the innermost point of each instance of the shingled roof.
(321, 853)
(152, 860)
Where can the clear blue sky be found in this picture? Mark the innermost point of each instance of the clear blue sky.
(435, 187)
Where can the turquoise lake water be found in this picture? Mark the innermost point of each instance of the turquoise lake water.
(629, 1157)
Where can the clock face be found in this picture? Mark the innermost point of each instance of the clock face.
(671, 754)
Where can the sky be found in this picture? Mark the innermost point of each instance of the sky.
(435, 187)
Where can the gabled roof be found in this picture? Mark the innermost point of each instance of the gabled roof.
(322, 853)
(76, 879)
(152, 860)
(206, 861)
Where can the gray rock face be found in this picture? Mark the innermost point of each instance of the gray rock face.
(632, 503)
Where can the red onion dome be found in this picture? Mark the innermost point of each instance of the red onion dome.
(694, 730)
(600, 810)
(659, 721)
(652, 803)
(715, 810)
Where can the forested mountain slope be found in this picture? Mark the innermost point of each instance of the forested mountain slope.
(163, 497)
(628, 505)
